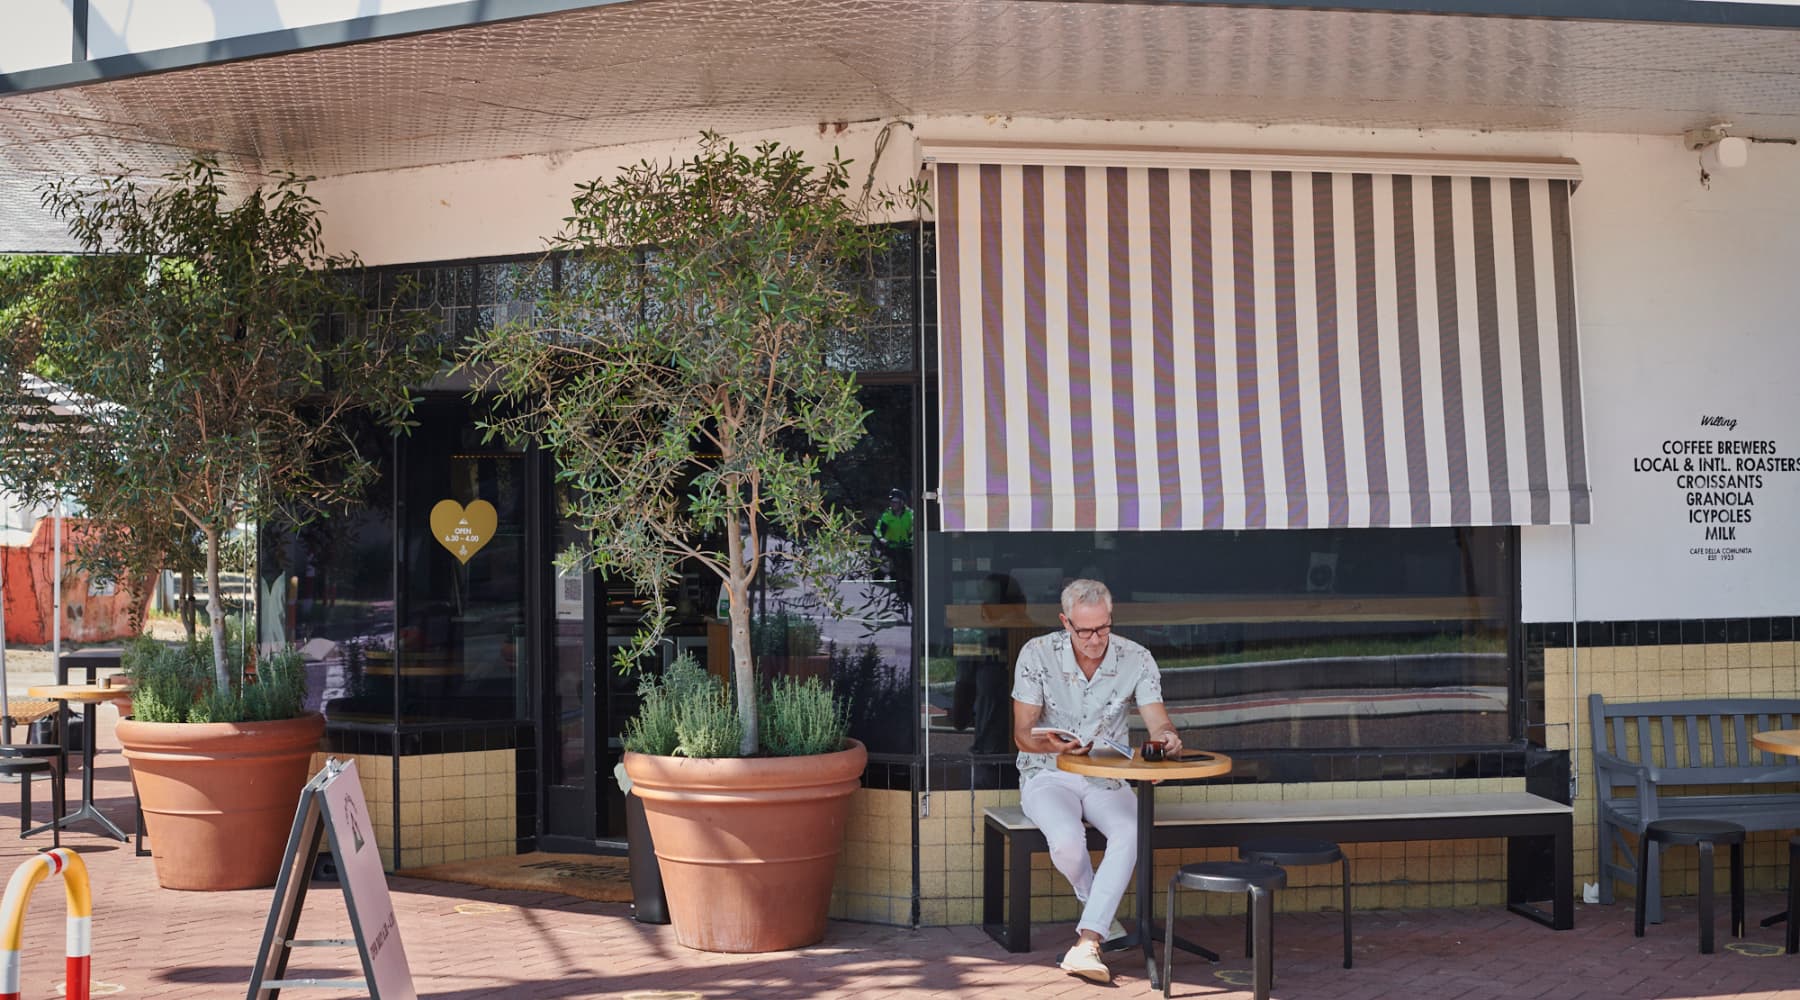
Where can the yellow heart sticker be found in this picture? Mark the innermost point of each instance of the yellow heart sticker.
(463, 530)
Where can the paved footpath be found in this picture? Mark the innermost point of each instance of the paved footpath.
(466, 943)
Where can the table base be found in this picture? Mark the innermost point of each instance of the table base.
(87, 811)
(1152, 969)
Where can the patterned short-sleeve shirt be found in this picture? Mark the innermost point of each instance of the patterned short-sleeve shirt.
(1047, 675)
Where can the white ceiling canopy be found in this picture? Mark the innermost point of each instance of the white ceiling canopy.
(659, 69)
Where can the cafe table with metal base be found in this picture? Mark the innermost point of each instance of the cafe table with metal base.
(1145, 774)
(89, 696)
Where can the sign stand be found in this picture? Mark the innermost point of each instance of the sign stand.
(332, 807)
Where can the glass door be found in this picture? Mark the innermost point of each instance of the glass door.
(572, 768)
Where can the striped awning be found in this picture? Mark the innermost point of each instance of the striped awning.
(1165, 347)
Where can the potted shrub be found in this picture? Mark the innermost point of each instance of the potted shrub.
(219, 360)
(766, 886)
(218, 768)
(682, 378)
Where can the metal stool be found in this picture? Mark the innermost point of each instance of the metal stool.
(24, 768)
(1260, 881)
(1288, 852)
(1705, 833)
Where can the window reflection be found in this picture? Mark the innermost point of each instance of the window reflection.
(1266, 640)
(328, 589)
(863, 646)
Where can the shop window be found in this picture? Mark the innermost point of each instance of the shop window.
(1267, 640)
(327, 588)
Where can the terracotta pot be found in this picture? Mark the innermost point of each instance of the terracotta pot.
(748, 845)
(219, 797)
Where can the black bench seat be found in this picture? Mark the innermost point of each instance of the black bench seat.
(1529, 822)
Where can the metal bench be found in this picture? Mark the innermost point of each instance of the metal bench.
(1653, 759)
(1530, 823)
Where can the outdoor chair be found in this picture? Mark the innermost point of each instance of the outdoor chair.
(1288, 852)
(13, 763)
(1704, 833)
(1260, 881)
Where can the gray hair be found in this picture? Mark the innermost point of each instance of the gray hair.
(1080, 592)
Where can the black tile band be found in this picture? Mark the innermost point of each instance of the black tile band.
(1660, 632)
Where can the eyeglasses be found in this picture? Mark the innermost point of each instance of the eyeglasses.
(1098, 631)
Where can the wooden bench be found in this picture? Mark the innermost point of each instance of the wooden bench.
(1652, 758)
(1528, 822)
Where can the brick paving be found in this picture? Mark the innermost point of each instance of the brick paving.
(466, 942)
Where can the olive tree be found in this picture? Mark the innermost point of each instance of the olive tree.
(215, 353)
(680, 375)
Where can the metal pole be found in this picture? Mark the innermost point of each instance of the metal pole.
(56, 611)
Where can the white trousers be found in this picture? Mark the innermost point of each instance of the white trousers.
(1057, 801)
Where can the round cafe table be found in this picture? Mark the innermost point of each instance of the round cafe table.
(1103, 763)
(88, 696)
(1782, 741)
(1786, 741)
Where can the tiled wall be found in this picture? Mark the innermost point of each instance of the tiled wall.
(875, 872)
(1383, 875)
(1663, 660)
(452, 806)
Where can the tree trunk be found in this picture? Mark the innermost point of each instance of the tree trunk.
(743, 665)
(185, 602)
(215, 611)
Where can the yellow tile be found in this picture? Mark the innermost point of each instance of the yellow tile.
(431, 812)
(426, 766)
(500, 807)
(932, 831)
(454, 763)
(933, 885)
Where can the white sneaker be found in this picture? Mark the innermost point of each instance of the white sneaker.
(1084, 960)
(1116, 931)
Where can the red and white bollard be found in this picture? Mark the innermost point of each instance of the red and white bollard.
(68, 864)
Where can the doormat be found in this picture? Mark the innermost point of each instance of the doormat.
(597, 877)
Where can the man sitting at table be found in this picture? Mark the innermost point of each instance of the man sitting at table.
(1084, 680)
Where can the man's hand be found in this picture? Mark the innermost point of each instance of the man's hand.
(1058, 744)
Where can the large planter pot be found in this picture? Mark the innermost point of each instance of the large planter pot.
(748, 846)
(219, 797)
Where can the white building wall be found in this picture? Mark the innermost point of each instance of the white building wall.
(1687, 306)
(1689, 309)
(38, 33)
